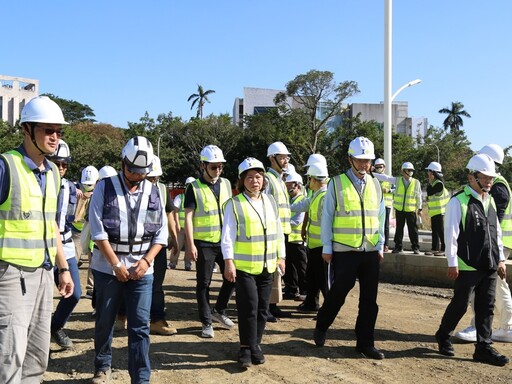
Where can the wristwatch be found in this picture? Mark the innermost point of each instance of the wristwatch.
(117, 266)
(62, 270)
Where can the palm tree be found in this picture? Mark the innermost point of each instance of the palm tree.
(200, 98)
(454, 119)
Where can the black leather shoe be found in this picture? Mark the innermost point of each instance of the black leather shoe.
(244, 357)
(277, 312)
(257, 356)
(444, 345)
(60, 337)
(307, 308)
(271, 318)
(370, 352)
(484, 353)
(319, 337)
(397, 250)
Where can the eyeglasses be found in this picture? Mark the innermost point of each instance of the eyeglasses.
(51, 131)
(61, 164)
(215, 167)
(283, 158)
(379, 166)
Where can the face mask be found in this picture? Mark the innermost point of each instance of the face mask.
(409, 173)
(363, 172)
(87, 187)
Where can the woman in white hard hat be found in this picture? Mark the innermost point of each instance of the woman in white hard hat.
(253, 248)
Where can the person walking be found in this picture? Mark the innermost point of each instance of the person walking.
(352, 233)
(179, 219)
(204, 201)
(387, 190)
(129, 228)
(253, 248)
(437, 198)
(475, 258)
(66, 203)
(30, 244)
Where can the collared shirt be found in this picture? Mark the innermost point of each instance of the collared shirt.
(452, 220)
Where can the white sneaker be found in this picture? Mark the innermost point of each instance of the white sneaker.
(468, 334)
(503, 335)
(223, 320)
(207, 331)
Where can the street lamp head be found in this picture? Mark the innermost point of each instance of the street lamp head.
(414, 82)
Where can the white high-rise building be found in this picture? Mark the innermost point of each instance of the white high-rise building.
(15, 92)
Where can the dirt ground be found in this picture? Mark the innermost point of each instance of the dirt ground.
(408, 318)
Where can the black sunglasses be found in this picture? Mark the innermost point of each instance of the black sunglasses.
(51, 131)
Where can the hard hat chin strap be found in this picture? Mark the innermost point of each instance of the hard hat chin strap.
(362, 173)
(475, 175)
(33, 138)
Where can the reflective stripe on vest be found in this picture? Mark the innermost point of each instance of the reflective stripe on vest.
(278, 188)
(181, 212)
(506, 222)
(208, 216)
(404, 198)
(355, 217)
(388, 196)
(314, 220)
(256, 237)
(162, 191)
(437, 202)
(27, 219)
(67, 212)
(295, 235)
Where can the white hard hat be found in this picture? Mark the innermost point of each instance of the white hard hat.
(380, 161)
(361, 148)
(189, 180)
(407, 165)
(138, 155)
(42, 109)
(315, 158)
(294, 177)
(62, 153)
(250, 163)
(289, 169)
(318, 171)
(434, 166)
(90, 175)
(482, 163)
(212, 154)
(106, 171)
(277, 148)
(156, 168)
(495, 152)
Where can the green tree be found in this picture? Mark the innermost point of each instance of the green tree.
(74, 112)
(10, 137)
(200, 98)
(319, 98)
(454, 119)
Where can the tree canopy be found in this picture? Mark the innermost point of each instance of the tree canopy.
(454, 119)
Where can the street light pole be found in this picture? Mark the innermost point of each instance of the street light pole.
(388, 6)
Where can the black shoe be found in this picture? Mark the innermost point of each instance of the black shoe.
(319, 337)
(416, 251)
(484, 353)
(370, 352)
(444, 345)
(257, 356)
(397, 250)
(288, 296)
(277, 312)
(271, 318)
(60, 337)
(244, 357)
(307, 308)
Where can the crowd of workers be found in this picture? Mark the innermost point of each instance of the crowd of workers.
(276, 238)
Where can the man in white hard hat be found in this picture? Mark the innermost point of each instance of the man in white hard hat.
(408, 203)
(437, 198)
(179, 219)
(204, 199)
(129, 228)
(474, 251)
(279, 158)
(387, 190)
(501, 194)
(29, 249)
(352, 234)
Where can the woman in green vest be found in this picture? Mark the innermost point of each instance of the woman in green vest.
(253, 248)
(437, 198)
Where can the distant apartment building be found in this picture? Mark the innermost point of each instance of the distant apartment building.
(15, 92)
(259, 100)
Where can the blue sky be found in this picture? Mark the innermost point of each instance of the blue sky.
(124, 58)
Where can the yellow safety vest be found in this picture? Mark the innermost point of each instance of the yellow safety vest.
(437, 202)
(27, 218)
(404, 198)
(256, 239)
(314, 220)
(278, 188)
(388, 196)
(208, 214)
(506, 222)
(356, 217)
(162, 189)
(295, 235)
(181, 212)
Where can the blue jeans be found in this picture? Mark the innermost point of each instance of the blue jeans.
(137, 297)
(67, 305)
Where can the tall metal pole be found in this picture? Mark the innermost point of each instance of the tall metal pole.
(388, 65)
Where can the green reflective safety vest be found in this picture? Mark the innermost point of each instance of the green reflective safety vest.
(314, 219)
(181, 212)
(208, 215)
(278, 188)
(295, 235)
(463, 200)
(27, 218)
(404, 198)
(437, 202)
(162, 191)
(356, 217)
(506, 222)
(388, 196)
(256, 243)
